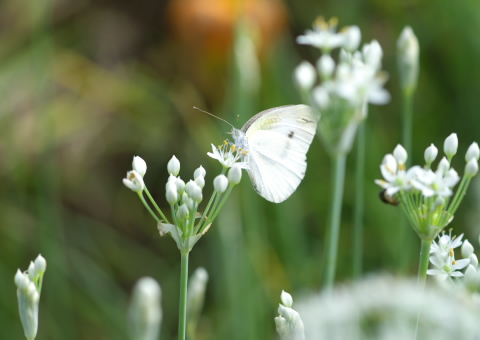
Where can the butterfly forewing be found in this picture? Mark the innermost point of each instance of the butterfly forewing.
(278, 140)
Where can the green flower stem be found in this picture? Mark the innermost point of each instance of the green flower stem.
(140, 195)
(461, 191)
(334, 225)
(407, 124)
(182, 308)
(359, 202)
(423, 264)
(155, 205)
(204, 218)
(224, 199)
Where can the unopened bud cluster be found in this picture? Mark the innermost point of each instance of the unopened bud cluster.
(29, 287)
(289, 325)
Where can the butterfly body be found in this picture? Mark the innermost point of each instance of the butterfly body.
(277, 141)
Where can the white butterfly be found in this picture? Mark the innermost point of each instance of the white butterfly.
(277, 141)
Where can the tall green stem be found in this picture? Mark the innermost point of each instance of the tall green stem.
(407, 125)
(182, 310)
(423, 264)
(359, 202)
(334, 225)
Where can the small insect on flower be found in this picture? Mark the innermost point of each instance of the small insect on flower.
(388, 199)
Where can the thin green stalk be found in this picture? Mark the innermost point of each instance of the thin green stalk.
(182, 308)
(407, 124)
(423, 264)
(334, 225)
(422, 274)
(359, 203)
(140, 195)
(155, 205)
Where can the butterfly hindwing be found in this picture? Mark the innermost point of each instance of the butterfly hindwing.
(278, 140)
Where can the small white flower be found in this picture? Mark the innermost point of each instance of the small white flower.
(473, 152)
(228, 155)
(305, 75)
(395, 179)
(134, 181)
(220, 184)
(235, 175)
(286, 299)
(451, 145)
(445, 243)
(173, 166)
(430, 154)
(446, 269)
(436, 183)
(139, 165)
(323, 36)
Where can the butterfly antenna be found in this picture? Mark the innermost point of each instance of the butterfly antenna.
(210, 114)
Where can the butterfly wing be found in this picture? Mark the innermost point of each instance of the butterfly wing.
(278, 141)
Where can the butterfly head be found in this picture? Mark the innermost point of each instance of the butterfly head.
(240, 139)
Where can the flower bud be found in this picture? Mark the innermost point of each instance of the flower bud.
(372, 55)
(173, 166)
(200, 181)
(182, 212)
(473, 260)
(180, 184)
(472, 152)
(197, 195)
(305, 75)
(321, 97)
(467, 249)
(199, 172)
(326, 66)
(451, 145)
(234, 175)
(31, 271)
(286, 299)
(400, 154)
(470, 273)
(220, 184)
(171, 193)
(190, 204)
(408, 52)
(145, 312)
(443, 166)
(134, 181)
(40, 264)
(430, 154)
(352, 37)
(139, 165)
(471, 168)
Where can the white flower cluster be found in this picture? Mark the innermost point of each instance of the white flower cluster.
(29, 287)
(426, 195)
(383, 307)
(341, 91)
(289, 325)
(442, 256)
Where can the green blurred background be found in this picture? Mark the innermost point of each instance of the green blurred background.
(86, 85)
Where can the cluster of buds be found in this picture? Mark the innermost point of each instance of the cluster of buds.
(184, 198)
(341, 91)
(289, 325)
(427, 196)
(29, 287)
